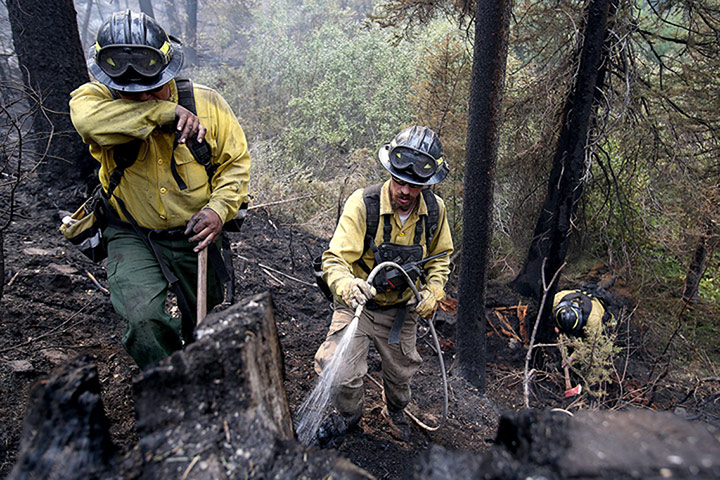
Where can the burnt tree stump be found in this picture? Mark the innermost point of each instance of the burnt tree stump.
(65, 432)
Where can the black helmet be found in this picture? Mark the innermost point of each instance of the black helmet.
(132, 53)
(569, 318)
(415, 156)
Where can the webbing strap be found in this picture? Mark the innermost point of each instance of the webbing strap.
(394, 337)
(585, 301)
(201, 151)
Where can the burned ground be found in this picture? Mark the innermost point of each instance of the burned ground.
(55, 308)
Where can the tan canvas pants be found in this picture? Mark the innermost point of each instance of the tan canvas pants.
(399, 361)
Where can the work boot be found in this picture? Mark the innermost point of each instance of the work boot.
(397, 421)
(333, 429)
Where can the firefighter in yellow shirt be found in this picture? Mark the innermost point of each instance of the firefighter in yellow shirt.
(164, 205)
(410, 224)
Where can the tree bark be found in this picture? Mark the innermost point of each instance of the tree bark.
(52, 63)
(697, 265)
(171, 14)
(147, 8)
(492, 24)
(191, 8)
(551, 237)
(2, 268)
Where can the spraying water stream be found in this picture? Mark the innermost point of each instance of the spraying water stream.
(311, 412)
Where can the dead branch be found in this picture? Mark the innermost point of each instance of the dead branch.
(528, 356)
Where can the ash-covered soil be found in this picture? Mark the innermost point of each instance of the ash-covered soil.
(55, 307)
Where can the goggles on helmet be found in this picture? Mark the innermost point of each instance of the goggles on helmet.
(415, 162)
(116, 60)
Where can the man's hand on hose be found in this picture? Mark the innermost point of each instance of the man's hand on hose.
(427, 305)
(188, 125)
(357, 292)
(207, 227)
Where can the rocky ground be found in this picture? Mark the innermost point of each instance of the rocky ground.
(56, 306)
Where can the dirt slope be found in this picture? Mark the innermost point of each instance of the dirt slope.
(53, 310)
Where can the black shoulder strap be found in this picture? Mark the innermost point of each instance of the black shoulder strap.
(431, 222)
(585, 301)
(124, 156)
(371, 198)
(186, 96)
(201, 151)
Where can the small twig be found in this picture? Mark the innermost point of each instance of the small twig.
(286, 275)
(266, 272)
(13, 278)
(227, 432)
(190, 467)
(97, 284)
(528, 356)
(270, 269)
(269, 204)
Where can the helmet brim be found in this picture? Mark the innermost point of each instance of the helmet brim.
(170, 72)
(438, 176)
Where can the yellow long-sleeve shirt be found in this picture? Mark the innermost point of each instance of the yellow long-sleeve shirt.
(340, 260)
(148, 188)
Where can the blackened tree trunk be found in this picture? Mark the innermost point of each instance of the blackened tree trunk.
(173, 26)
(147, 8)
(52, 63)
(705, 245)
(492, 23)
(2, 269)
(191, 8)
(552, 232)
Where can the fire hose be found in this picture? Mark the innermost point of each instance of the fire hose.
(430, 322)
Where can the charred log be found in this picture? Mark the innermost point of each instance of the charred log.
(632, 444)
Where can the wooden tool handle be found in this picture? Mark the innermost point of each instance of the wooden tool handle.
(202, 286)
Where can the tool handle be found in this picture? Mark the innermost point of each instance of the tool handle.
(202, 285)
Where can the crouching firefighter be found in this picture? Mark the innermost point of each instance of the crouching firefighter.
(582, 312)
(401, 221)
(174, 169)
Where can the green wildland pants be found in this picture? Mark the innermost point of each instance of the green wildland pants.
(138, 292)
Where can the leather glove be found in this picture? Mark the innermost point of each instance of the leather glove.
(357, 293)
(427, 305)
